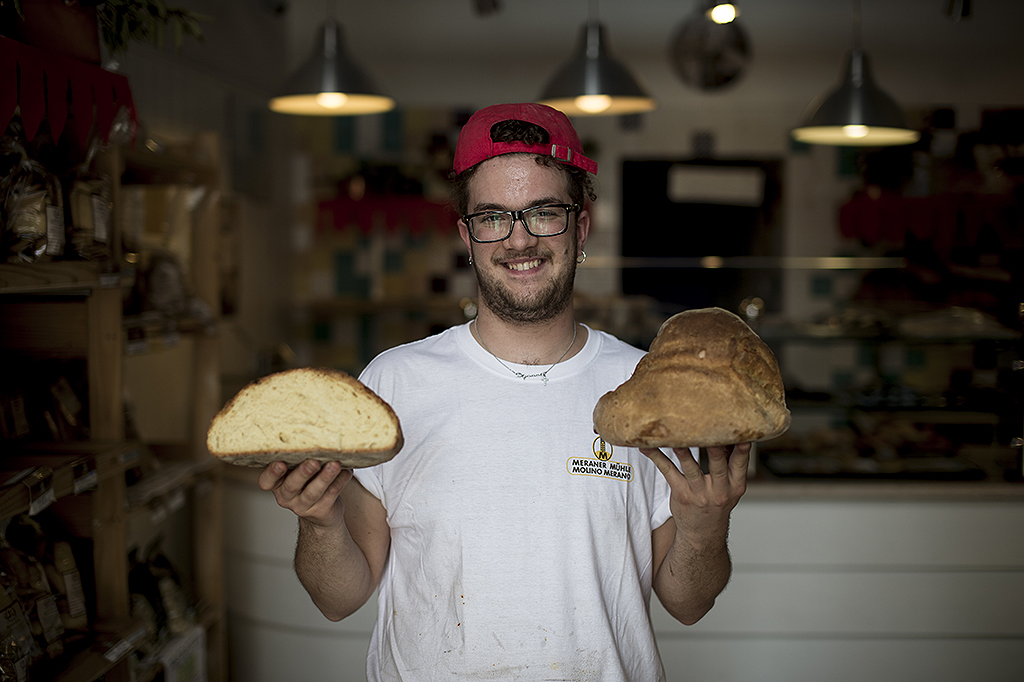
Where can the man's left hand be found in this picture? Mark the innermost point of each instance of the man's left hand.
(701, 503)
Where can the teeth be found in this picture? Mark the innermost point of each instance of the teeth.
(524, 266)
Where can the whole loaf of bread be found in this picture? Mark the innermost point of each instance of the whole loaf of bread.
(707, 380)
(306, 413)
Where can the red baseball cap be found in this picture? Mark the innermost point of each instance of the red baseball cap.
(475, 144)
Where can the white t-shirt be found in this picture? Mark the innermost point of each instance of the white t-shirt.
(520, 549)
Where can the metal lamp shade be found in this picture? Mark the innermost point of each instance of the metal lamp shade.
(594, 83)
(330, 84)
(858, 113)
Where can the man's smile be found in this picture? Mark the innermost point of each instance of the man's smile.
(522, 266)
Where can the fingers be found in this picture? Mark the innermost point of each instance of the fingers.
(688, 466)
(664, 464)
(728, 460)
(718, 462)
(270, 476)
(740, 459)
(310, 490)
(727, 466)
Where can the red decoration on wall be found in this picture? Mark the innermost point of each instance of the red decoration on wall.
(412, 213)
(44, 84)
(948, 221)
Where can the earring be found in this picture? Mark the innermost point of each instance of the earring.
(470, 259)
(582, 258)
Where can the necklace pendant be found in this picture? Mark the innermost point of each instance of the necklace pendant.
(544, 378)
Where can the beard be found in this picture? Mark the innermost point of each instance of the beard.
(533, 307)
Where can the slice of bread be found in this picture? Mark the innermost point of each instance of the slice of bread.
(707, 380)
(307, 413)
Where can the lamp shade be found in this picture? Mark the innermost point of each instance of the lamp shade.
(329, 83)
(857, 113)
(594, 83)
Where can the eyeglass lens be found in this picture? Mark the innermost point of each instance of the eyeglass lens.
(540, 221)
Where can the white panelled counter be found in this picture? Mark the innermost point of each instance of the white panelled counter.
(275, 632)
(836, 582)
(855, 581)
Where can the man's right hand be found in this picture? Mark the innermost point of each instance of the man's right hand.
(311, 490)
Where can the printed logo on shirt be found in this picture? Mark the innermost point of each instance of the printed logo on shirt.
(601, 465)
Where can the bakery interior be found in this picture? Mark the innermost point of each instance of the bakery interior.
(881, 537)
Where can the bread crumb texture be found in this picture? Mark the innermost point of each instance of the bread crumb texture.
(306, 413)
(707, 380)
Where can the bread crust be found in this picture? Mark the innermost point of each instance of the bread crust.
(279, 387)
(708, 380)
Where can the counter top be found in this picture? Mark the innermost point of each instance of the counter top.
(760, 489)
(765, 489)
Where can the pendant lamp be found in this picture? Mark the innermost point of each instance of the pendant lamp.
(721, 12)
(858, 112)
(594, 83)
(329, 83)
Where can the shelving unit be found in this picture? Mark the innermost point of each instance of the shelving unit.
(72, 311)
(947, 433)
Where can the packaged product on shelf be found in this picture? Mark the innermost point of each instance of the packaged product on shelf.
(40, 605)
(67, 408)
(67, 581)
(33, 207)
(90, 207)
(41, 401)
(18, 648)
(13, 416)
(155, 579)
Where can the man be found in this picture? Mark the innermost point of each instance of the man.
(507, 541)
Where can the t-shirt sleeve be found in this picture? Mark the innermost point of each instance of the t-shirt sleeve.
(370, 477)
(662, 512)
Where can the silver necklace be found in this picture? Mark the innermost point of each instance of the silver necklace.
(543, 375)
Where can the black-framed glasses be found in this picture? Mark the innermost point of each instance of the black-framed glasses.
(548, 220)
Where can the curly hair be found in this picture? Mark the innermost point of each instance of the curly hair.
(579, 181)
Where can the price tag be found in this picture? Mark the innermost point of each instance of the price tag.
(184, 656)
(40, 490)
(157, 514)
(136, 346)
(85, 477)
(117, 651)
(54, 230)
(176, 500)
(49, 618)
(100, 219)
(110, 280)
(130, 457)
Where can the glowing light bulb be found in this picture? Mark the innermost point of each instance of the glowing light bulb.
(593, 104)
(723, 13)
(857, 131)
(331, 100)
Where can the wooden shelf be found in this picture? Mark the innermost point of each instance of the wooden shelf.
(103, 655)
(144, 167)
(357, 306)
(87, 464)
(169, 478)
(55, 277)
(73, 310)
